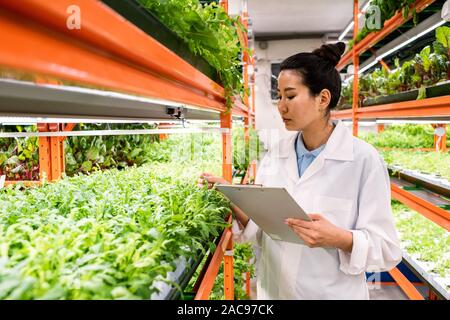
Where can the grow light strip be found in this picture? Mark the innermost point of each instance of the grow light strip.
(111, 132)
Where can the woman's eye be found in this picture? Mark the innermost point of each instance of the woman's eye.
(290, 98)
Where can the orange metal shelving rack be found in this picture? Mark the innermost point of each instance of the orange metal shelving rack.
(431, 107)
(104, 53)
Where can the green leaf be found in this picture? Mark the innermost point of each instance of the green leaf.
(3, 158)
(422, 93)
(92, 154)
(86, 166)
(443, 36)
(135, 152)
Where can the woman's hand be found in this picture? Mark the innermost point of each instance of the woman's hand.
(208, 178)
(321, 233)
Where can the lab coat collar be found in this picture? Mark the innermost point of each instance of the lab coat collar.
(302, 151)
(338, 147)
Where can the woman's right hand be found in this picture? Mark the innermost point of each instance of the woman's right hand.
(208, 178)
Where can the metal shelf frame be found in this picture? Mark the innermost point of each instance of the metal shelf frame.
(421, 205)
(372, 38)
(117, 64)
(435, 108)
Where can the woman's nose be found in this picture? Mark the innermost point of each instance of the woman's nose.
(282, 108)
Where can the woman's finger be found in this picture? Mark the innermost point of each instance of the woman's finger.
(307, 232)
(316, 216)
(308, 240)
(299, 223)
(213, 179)
(207, 175)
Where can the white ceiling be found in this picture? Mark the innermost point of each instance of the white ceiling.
(300, 17)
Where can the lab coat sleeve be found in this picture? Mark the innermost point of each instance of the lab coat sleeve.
(252, 233)
(375, 242)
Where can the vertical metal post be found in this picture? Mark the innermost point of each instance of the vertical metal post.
(224, 4)
(55, 153)
(227, 145)
(162, 125)
(246, 61)
(227, 172)
(440, 143)
(226, 122)
(380, 128)
(356, 69)
(228, 271)
(432, 295)
(245, 56)
(62, 152)
(247, 283)
(51, 149)
(44, 154)
(62, 159)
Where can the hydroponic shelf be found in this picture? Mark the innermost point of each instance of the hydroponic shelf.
(28, 99)
(428, 181)
(440, 285)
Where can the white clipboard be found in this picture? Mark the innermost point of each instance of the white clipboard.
(2, 181)
(268, 207)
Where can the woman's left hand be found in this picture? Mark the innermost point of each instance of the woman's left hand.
(321, 233)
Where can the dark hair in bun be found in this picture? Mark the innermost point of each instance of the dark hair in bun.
(331, 52)
(318, 70)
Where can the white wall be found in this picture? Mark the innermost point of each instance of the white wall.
(268, 120)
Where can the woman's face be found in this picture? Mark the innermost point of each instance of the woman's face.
(297, 107)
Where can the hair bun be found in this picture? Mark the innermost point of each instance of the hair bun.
(331, 52)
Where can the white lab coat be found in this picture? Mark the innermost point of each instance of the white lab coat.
(347, 183)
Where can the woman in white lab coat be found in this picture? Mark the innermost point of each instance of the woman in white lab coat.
(337, 178)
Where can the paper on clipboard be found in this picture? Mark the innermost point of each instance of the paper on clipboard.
(268, 207)
(2, 181)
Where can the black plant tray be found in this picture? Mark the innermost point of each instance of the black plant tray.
(185, 271)
(138, 15)
(441, 89)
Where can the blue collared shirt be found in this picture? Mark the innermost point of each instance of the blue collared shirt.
(304, 156)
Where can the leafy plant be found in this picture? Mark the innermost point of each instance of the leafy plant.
(388, 8)
(110, 235)
(19, 157)
(243, 262)
(423, 240)
(427, 68)
(209, 32)
(443, 36)
(434, 163)
(409, 136)
(245, 152)
(114, 234)
(93, 153)
(402, 136)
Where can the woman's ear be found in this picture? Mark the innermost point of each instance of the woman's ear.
(324, 100)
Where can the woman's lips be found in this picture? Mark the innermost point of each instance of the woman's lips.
(286, 120)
